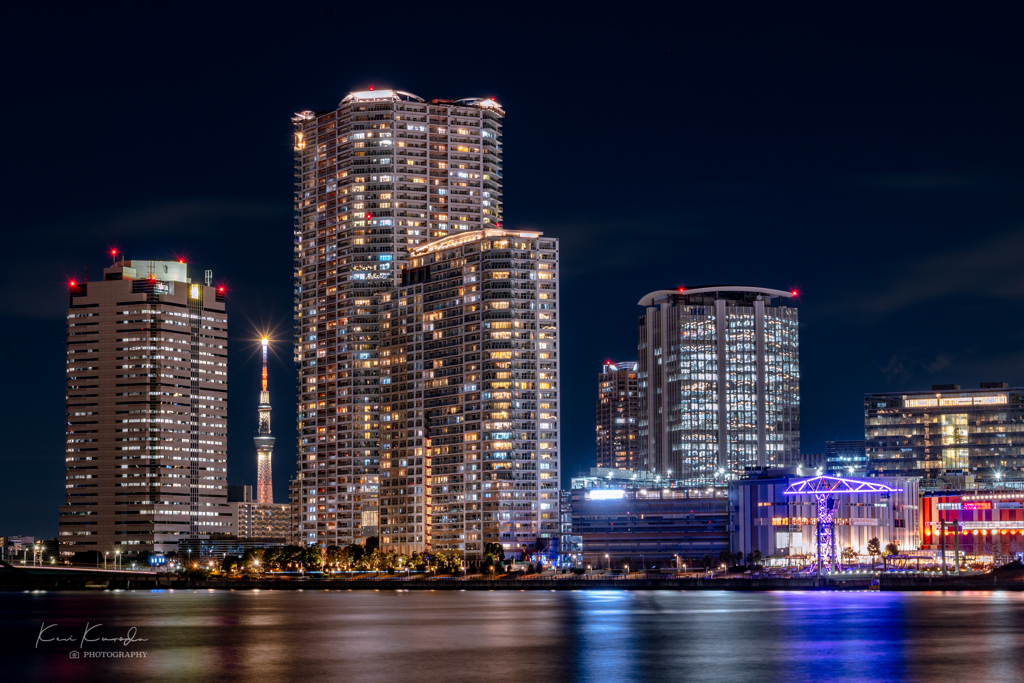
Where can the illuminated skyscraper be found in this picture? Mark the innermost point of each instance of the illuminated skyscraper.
(264, 443)
(719, 372)
(618, 416)
(146, 455)
(948, 431)
(469, 392)
(382, 173)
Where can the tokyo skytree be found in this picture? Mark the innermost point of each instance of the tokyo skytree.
(264, 442)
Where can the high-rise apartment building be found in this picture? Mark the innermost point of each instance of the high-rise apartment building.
(719, 380)
(382, 173)
(618, 416)
(948, 430)
(146, 456)
(469, 380)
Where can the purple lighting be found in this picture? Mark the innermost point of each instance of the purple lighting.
(823, 488)
(834, 486)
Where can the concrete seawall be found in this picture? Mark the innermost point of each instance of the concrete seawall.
(41, 578)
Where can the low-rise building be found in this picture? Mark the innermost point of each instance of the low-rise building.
(258, 520)
(981, 524)
(781, 526)
(225, 545)
(649, 527)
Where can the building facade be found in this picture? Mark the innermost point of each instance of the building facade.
(778, 525)
(719, 378)
(146, 456)
(980, 524)
(379, 175)
(845, 458)
(253, 519)
(469, 392)
(618, 416)
(977, 432)
(660, 526)
(262, 520)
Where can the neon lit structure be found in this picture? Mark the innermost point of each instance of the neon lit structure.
(264, 442)
(824, 489)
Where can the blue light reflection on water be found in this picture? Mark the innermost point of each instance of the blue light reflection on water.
(594, 636)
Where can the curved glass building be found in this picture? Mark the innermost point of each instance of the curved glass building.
(719, 376)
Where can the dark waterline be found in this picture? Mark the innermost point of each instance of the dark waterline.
(447, 636)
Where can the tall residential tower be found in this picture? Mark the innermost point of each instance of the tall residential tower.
(719, 382)
(618, 416)
(147, 392)
(469, 375)
(375, 177)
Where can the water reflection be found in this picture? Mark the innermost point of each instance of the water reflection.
(536, 636)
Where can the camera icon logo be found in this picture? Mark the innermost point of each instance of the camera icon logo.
(74, 654)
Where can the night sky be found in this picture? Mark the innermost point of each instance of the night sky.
(870, 159)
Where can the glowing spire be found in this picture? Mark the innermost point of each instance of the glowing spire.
(264, 440)
(264, 369)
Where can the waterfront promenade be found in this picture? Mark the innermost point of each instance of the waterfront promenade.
(63, 578)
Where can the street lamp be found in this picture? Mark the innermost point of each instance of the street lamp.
(117, 559)
(609, 561)
(105, 553)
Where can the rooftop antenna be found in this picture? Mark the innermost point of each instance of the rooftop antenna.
(209, 277)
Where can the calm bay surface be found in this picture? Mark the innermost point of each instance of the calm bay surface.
(531, 636)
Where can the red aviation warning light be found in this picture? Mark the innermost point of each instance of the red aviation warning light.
(371, 88)
(72, 283)
(369, 215)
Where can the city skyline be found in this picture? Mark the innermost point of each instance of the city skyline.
(878, 228)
